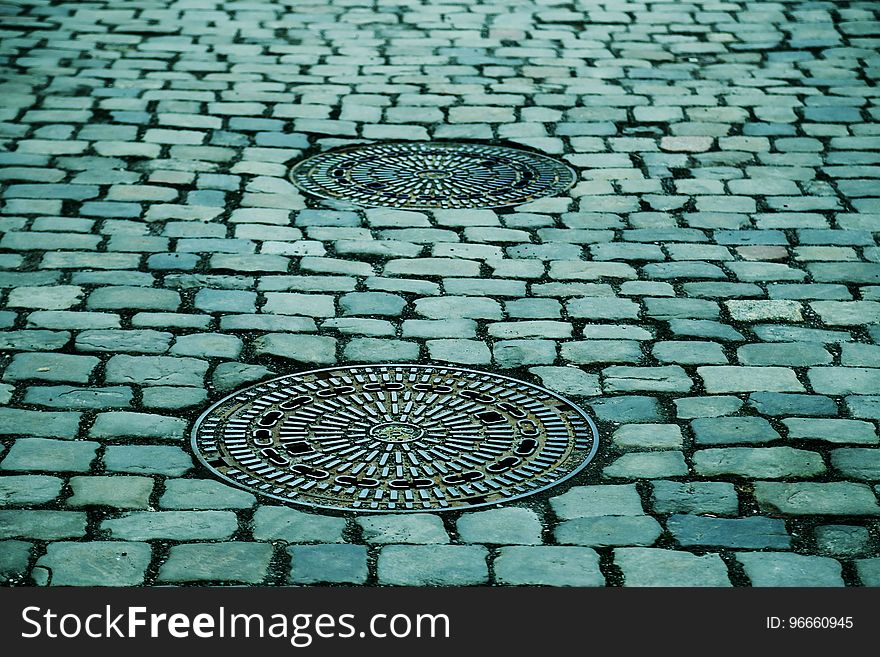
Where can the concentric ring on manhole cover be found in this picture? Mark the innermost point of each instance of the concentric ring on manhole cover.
(394, 437)
(432, 175)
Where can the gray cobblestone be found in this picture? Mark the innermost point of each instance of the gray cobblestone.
(724, 430)
(226, 562)
(58, 297)
(276, 523)
(810, 498)
(432, 565)
(203, 494)
(595, 501)
(774, 404)
(842, 540)
(14, 558)
(786, 569)
(140, 298)
(648, 436)
(29, 489)
(48, 455)
(857, 463)
(466, 352)
(656, 567)
(511, 526)
(147, 459)
(403, 529)
(609, 531)
(763, 463)
(155, 370)
(225, 301)
(627, 409)
(869, 571)
(832, 430)
(117, 424)
(844, 380)
(78, 398)
(137, 341)
(174, 525)
(548, 566)
(171, 397)
(42, 525)
(721, 379)
(330, 564)
(751, 533)
(105, 563)
(304, 348)
(694, 497)
(647, 465)
(207, 345)
(120, 492)
(50, 367)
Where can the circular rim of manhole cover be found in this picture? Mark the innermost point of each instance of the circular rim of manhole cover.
(432, 175)
(394, 437)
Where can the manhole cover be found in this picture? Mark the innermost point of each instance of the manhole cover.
(394, 438)
(432, 175)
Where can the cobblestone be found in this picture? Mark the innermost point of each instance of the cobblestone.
(857, 463)
(657, 567)
(594, 501)
(14, 558)
(104, 563)
(175, 525)
(29, 489)
(119, 492)
(758, 463)
(811, 498)
(49, 455)
(403, 529)
(695, 497)
(709, 288)
(776, 404)
(432, 565)
(147, 459)
(42, 525)
(832, 430)
(203, 494)
(50, 367)
(330, 564)
(513, 526)
(51, 424)
(724, 430)
(750, 533)
(237, 561)
(276, 523)
(786, 569)
(155, 370)
(608, 531)
(304, 348)
(548, 566)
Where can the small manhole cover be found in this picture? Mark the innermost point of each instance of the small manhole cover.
(394, 438)
(432, 175)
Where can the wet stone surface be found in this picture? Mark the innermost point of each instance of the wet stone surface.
(707, 289)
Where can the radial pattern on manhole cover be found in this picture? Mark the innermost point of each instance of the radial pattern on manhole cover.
(432, 175)
(394, 438)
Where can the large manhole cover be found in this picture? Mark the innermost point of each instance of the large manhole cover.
(394, 438)
(432, 175)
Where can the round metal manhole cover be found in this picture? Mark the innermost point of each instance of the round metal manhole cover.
(432, 175)
(394, 438)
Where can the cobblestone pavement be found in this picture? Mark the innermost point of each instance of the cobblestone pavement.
(710, 288)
